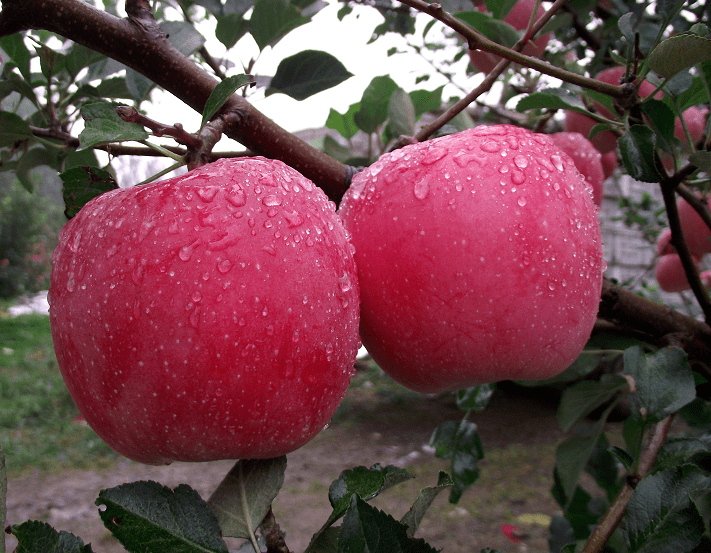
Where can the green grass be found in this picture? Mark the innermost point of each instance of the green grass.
(38, 426)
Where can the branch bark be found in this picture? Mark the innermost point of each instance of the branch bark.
(137, 44)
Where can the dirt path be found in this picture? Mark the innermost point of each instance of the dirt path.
(519, 432)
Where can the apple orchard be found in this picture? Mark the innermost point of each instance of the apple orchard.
(452, 229)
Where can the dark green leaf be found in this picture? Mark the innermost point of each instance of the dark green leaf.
(426, 100)
(460, 442)
(702, 160)
(633, 432)
(660, 515)
(677, 53)
(679, 451)
(183, 36)
(584, 397)
(364, 482)
(374, 104)
(697, 414)
(552, 99)
(638, 151)
(272, 20)
(33, 158)
(148, 517)
(414, 516)
(221, 93)
(104, 125)
(344, 123)
(34, 536)
(251, 483)
(325, 541)
(560, 533)
(572, 455)
(664, 381)
(13, 129)
(138, 86)
(366, 529)
(475, 398)
(661, 119)
(336, 150)
(230, 28)
(14, 46)
(50, 60)
(81, 184)
(307, 73)
(80, 57)
(401, 113)
(493, 29)
(625, 458)
(500, 8)
(604, 467)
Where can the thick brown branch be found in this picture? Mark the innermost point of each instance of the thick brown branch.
(153, 56)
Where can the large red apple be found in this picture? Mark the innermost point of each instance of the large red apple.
(479, 259)
(208, 316)
(604, 141)
(671, 276)
(587, 159)
(518, 17)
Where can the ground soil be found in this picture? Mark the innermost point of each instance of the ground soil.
(518, 429)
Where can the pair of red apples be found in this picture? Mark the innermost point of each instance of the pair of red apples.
(218, 314)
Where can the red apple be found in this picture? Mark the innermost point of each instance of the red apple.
(671, 276)
(696, 233)
(518, 17)
(695, 119)
(664, 246)
(479, 259)
(604, 141)
(587, 160)
(208, 316)
(609, 163)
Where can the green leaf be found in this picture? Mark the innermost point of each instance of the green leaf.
(183, 36)
(673, 55)
(604, 467)
(80, 57)
(34, 536)
(230, 28)
(552, 98)
(251, 483)
(460, 442)
(660, 515)
(31, 159)
(367, 483)
(14, 46)
(637, 147)
(401, 113)
(104, 125)
(661, 119)
(500, 8)
(475, 398)
(366, 529)
(272, 20)
(414, 516)
(50, 61)
(307, 73)
(221, 93)
(324, 541)
(702, 160)
(664, 381)
(148, 517)
(572, 455)
(336, 150)
(584, 397)
(138, 86)
(374, 104)
(426, 100)
(81, 184)
(492, 28)
(344, 123)
(13, 129)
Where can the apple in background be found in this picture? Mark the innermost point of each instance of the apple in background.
(696, 233)
(695, 119)
(605, 141)
(587, 159)
(479, 259)
(209, 316)
(670, 274)
(518, 17)
(664, 246)
(609, 163)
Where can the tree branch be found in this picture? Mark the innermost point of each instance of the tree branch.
(134, 42)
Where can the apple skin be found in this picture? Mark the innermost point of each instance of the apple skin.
(695, 119)
(587, 159)
(604, 141)
(609, 163)
(696, 233)
(671, 276)
(518, 17)
(479, 259)
(209, 316)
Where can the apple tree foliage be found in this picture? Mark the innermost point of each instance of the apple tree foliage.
(66, 62)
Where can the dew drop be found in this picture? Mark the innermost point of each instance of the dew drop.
(491, 146)
(186, 252)
(522, 201)
(207, 194)
(421, 189)
(272, 200)
(557, 162)
(551, 285)
(521, 161)
(224, 266)
(433, 155)
(235, 196)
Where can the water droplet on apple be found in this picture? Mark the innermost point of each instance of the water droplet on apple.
(557, 162)
(186, 252)
(434, 154)
(208, 193)
(491, 146)
(521, 161)
(235, 196)
(522, 201)
(224, 265)
(272, 200)
(421, 189)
